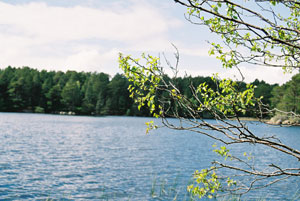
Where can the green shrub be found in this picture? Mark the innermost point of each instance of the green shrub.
(39, 109)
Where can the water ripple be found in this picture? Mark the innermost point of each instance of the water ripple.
(110, 158)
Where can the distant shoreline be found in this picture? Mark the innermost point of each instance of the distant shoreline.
(249, 119)
(266, 121)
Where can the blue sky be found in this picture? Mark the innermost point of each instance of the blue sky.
(87, 35)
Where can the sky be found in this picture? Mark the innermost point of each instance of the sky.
(88, 35)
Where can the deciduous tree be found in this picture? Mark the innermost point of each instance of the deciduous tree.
(264, 33)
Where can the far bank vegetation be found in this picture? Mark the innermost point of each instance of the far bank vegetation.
(29, 90)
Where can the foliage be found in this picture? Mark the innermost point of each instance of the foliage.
(26, 89)
(39, 110)
(144, 80)
(262, 33)
(287, 96)
(209, 180)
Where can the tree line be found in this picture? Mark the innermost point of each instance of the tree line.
(287, 96)
(29, 90)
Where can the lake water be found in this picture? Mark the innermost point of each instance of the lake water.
(111, 158)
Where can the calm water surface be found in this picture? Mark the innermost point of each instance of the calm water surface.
(111, 158)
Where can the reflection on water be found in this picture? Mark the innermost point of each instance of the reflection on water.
(108, 158)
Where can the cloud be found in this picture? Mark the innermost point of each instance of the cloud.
(86, 38)
(37, 34)
(93, 60)
(48, 23)
(269, 74)
(250, 73)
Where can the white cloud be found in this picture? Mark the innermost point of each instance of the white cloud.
(37, 34)
(250, 73)
(48, 23)
(269, 74)
(198, 52)
(87, 38)
(93, 60)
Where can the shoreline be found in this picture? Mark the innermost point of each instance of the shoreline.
(269, 121)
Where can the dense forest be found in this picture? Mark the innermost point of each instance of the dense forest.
(29, 90)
